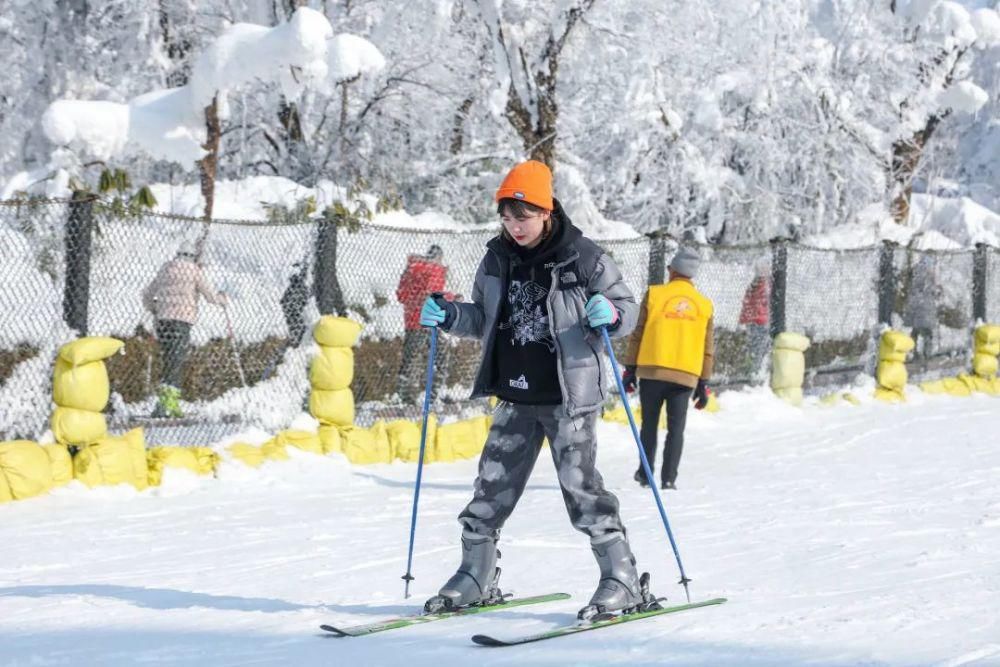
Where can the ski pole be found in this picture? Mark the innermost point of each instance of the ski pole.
(645, 462)
(232, 345)
(408, 577)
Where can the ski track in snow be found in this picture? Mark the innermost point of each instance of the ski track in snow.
(864, 535)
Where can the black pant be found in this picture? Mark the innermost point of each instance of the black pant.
(174, 337)
(652, 395)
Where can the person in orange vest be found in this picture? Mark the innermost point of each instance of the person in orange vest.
(671, 351)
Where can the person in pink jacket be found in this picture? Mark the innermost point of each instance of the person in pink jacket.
(172, 298)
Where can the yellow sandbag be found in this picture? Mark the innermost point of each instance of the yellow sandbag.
(199, 460)
(404, 440)
(90, 349)
(249, 454)
(616, 415)
(114, 460)
(61, 464)
(889, 395)
(77, 427)
(837, 397)
(991, 386)
(329, 438)
(933, 387)
(792, 395)
(891, 375)
(788, 369)
(459, 440)
(84, 387)
(208, 460)
(332, 368)
(26, 470)
(957, 386)
(984, 365)
(333, 331)
(366, 445)
(332, 407)
(789, 340)
(304, 440)
(470, 446)
(275, 449)
(6, 495)
(894, 346)
(988, 339)
(445, 438)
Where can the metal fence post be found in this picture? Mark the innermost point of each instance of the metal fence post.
(979, 262)
(886, 282)
(326, 286)
(657, 258)
(78, 244)
(779, 281)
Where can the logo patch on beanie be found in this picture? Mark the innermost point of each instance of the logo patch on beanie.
(519, 195)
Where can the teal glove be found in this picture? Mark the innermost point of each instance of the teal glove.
(432, 315)
(601, 312)
(437, 312)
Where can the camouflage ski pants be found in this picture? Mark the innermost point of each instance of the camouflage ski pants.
(511, 449)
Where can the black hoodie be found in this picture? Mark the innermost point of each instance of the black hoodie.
(525, 352)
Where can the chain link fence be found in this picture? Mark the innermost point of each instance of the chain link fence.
(223, 311)
(832, 297)
(991, 284)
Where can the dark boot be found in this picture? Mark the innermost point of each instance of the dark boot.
(475, 582)
(619, 587)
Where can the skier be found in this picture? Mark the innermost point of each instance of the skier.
(172, 298)
(920, 311)
(755, 315)
(540, 294)
(423, 276)
(671, 351)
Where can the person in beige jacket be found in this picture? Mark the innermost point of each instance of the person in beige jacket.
(671, 351)
(172, 298)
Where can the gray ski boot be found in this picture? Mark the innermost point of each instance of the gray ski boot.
(475, 583)
(620, 588)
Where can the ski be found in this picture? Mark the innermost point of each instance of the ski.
(417, 619)
(486, 640)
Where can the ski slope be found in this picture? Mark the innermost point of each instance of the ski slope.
(865, 535)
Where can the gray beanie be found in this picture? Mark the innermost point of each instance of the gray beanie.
(686, 261)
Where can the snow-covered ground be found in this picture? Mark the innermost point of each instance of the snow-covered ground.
(841, 536)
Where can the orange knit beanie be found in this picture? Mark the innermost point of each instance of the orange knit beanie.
(529, 181)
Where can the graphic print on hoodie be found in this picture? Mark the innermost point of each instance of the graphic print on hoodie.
(525, 352)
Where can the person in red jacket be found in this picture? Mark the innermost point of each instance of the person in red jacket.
(755, 316)
(423, 276)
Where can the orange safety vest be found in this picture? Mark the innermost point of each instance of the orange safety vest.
(677, 317)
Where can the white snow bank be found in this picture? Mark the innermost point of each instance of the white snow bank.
(292, 54)
(170, 124)
(963, 96)
(100, 126)
(959, 219)
(350, 56)
(575, 196)
(935, 223)
(166, 125)
(987, 25)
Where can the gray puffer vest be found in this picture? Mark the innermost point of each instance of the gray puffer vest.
(580, 270)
